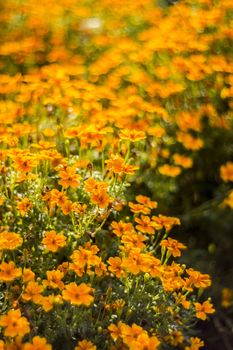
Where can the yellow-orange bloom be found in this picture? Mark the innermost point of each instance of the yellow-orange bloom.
(203, 309)
(196, 344)
(185, 162)
(54, 279)
(226, 172)
(173, 246)
(122, 227)
(145, 225)
(9, 272)
(32, 292)
(10, 240)
(146, 201)
(132, 135)
(139, 208)
(166, 222)
(144, 342)
(78, 294)
(69, 178)
(198, 279)
(115, 331)
(38, 343)
(100, 198)
(24, 206)
(14, 324)
(85, 345)
(115, 266)
(53, 241)
(169, 170)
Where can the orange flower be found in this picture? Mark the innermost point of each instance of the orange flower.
(100, 198)
(166, 222)
(198, 279)
(69, 178)
(48, 302)
(14, 324)
(136, 262)
(28, 275)
(24, 206)
(190, 142)
(122, 227)
(68, 207)
(54, 279)
(78, 294)
(116, 331)
(38, 343)
(203, 309)
(9, 272)
(85, 345)
(133, 240)
(146, 201)
(185, 162)
(173, 246)
(139, 208)
(145, 225)
(115, 164)
(144, 342)
(175, 338)
(169, 170)
(92, 185)
(132, 135)
(24, 163)
(227, 297)
(196, 344)
(129, 169)
(32, 292)
(115, 266)
(53, 241)
(10, 240)
(226, 172)
(54, 197)
(131, 334)
(229, 200)
(48, 132)
(2, 200)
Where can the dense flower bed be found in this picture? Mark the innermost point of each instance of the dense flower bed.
(107, 109)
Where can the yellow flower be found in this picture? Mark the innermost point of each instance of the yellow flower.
(10, 240)
(115, 266)
(38, 343)
(169, 170)
(173, 246)
(203, 309)
(227, 297)
(145, 225)
(229, 200)
(196, 344)
(132, 135)
(24, 206)
(54, 279)
(78, 294)
(226, 172)
(53, 241)
(14, 324)
(85, 345)
(9, 272)
(69, 178)
(28, 275)
(33, 292)
(185, 162)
